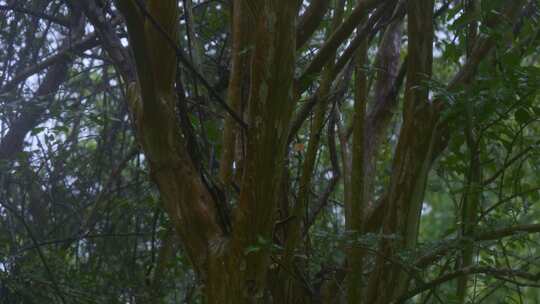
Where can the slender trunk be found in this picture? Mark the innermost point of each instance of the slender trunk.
(470, 210)
(472, 194)
(240, 56)
(187, 197)
(412, 158)
(354, 213)
(385, 100)
(317, 125)
(269, 111)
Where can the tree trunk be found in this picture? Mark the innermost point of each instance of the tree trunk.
(231, 273)
(412, 159)
(232, 252)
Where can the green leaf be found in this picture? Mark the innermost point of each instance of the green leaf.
(522, 116)
(463, 20)
(251, 249)
(37, 130)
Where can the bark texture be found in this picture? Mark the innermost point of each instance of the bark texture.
(224, 247)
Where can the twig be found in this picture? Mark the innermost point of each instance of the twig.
(499, 273)
(56, 287)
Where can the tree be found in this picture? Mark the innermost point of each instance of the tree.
(228, 115)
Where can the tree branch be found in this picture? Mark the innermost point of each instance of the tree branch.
(310, 21)
(500, 273)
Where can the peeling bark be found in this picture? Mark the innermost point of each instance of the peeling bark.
(269, 114)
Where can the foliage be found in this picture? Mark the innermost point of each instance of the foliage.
(81, 217)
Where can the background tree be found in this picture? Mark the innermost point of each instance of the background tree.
(280, 151)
